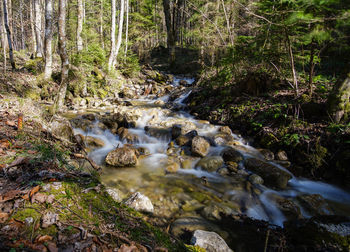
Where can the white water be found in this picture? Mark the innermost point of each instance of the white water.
(260, 206)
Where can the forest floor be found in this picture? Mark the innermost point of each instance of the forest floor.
(51, 197)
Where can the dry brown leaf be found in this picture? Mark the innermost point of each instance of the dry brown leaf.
(32, 152)
(16, 224)
(4, 217)
(52, 247)
(9, 195)
(34, 191)
(42, 239)
(126, 248)
(4, 143)
(25, 196)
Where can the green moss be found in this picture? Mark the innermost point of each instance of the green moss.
(192, 248)
(32, 93)
(35, 66)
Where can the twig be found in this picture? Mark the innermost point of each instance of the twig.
(92, 163)
(267, 240)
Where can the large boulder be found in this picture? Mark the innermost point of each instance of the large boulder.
(126, 135)
(272, 175)
(210, 241)
(140, 203)
(61, 128)
(229, 154)
(210, 164)
(200, 146)
(223, 138)
(94, 142)
(122, 157)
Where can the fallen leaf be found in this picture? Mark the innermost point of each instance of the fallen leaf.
(42, 239)
(9, 195)
(4, 143)
(126, 248)
(16, 224)
(52, 247)
(11, 123)
(31, 152)
(34, 190)
(4, 217)
(25, 196)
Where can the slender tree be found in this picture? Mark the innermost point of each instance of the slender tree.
(3, 38)
(32, 26)
(9, 38)
(126, 26)
(62, 41)
(120, 31)
(48, 38)
(80, 25)
(113, 25)
(37, 26)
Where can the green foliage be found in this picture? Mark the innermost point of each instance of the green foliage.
(92, 55)
(129, 65)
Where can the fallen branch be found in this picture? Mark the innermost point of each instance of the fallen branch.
(92, 163)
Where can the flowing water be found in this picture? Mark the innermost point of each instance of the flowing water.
(191, 189)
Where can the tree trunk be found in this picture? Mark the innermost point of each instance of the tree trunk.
(339, 99)
(32, 26)
(80, 26)
(22, 24)
(292, 65)
(3, 38)
(312, 68)
(169, 21)
(120, 30)
(37, 25)
(48, 39)
(9, 39)
(101, 25)
(113, 48)
(64, 56)
(126, 27)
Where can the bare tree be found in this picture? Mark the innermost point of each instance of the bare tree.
(62, 41)
(120, 31)
(3, 38)
(113, 46)
(9, 39)
(32, 26)
(37, 26)
(48, 38)
(80, 25)
(126, 27)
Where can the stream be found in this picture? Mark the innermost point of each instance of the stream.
(180, 184)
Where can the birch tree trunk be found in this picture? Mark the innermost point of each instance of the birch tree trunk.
(22, 24)
(37, 26)
(32, 26)
(126, 27)
(120, 31)
(48, 39)
(62, 41)
(3, 38)
(9, 39)
(80, 26)
(113, 46)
